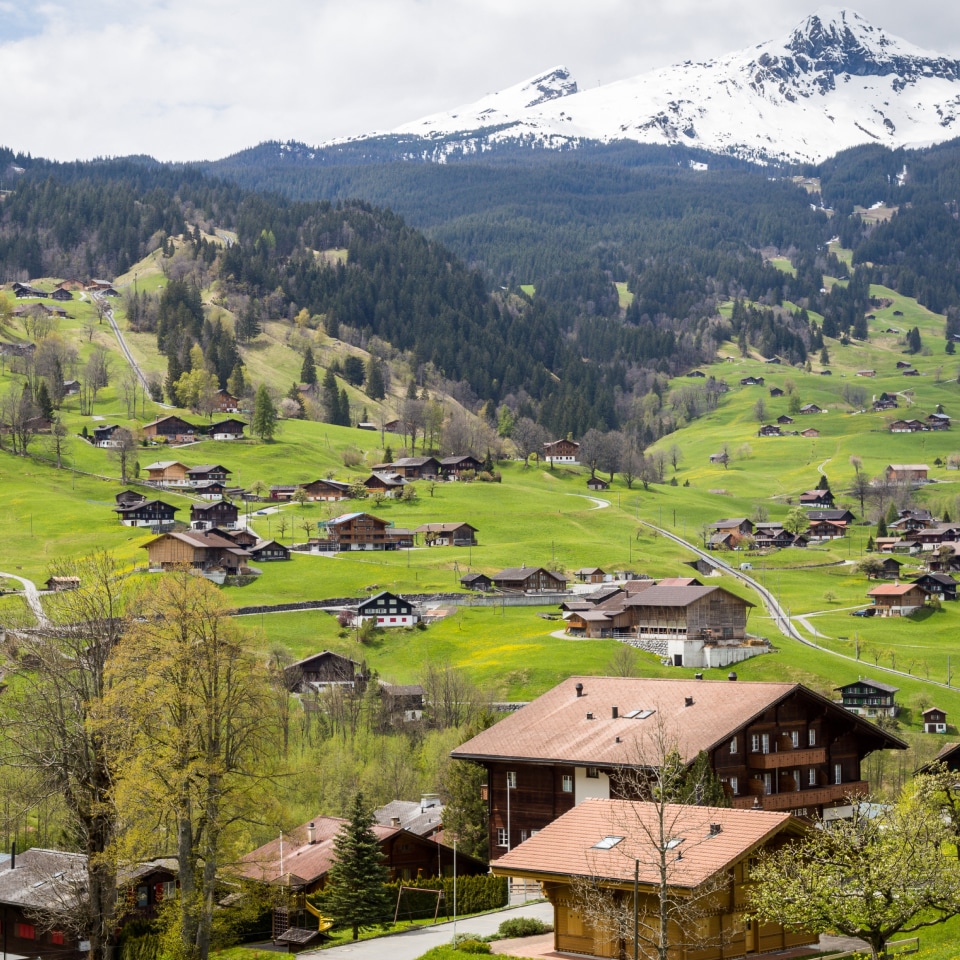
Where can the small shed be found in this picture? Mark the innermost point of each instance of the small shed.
(59, 584)
(934, 720)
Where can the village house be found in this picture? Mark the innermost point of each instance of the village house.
(456, 534)
(890, 568)
(202, 550)
(476, 581)
(455, 466)
(355, 531)
(897, 599)
(811, 433)
(529, 580)
(385, 484)
(416, 468)
(742, 526)
(423, 817)
(171, 429)
(906, 426)
(39, 884)
(772, 536)
(402, 702)
(320, 671)
(934, 720)
(282, 491)
(266, 551)
(769, 430)
(562, 451)
(776, 392)
(810, 408)
(106, 435)
(869, 698)
(839, 514)
(938, 421)
(751, 381)
(220, 513)
(59, 584)
(774, 746)
(590, 575)
(229, 429)
(817, 498)
(225, 402)
(147, 513)
(886, 401)
(914, 473)
(613, 843)
(948, 755)
(207, 473)
(597, 484)
(210, 489)
(826, 530)
(939, 585)
(326, 490)
(387, 610)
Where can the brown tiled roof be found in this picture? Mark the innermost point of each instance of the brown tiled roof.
(554, 728)
(566, 847)
(303, 863)
(892, 590)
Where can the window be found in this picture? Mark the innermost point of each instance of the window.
(765, 743)
(812, 777)
(767, 784)
(502, 837)
(796, 779)
(837, 773)
(733, 786)
(523, 835)
(593, 773)
(26, 931)
(511, 779)
(566, 783)
(811, 737)
(755, 743)
(56, 937)
(143, 896)
(607, 843)
(795, 738)
(733, 745)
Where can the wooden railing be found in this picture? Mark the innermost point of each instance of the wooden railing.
(813, 797)
(787, 758)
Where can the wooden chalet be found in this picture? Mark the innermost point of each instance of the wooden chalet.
(811, 433)
(147, 513)
(225, 402)
(388, 610)
(810, 408)
(774, 746)
(200, 549)
(423, 817)
(590, 575)
(416, 468)
(612, 842)
(356, 531)
(60, 584)
(220, 513)
(456, 534)
(283, 491)
(897, 599)
(906, 426)
(301, 858)
(911, 372)
(866, 373)
(869, 698)
(104, 435)
(127, 497)
(776, 392)
(938, 421)
(826, 530)
(597, 484)
(561, 451)
(891, 568)
(207, 473)
(402, 702)
(386, 484)
(320, 671)
(939, 585)
(210, 489)
(934, 720)
(326, 490)
(820, 499)
(907, 472)
(529, 580)
(476, 581)
(171, 429)
(21, 290)
(840, 514)
(769, 430)
(266, 551)
(71, 283)
(39, 885)
(948, 755)
(751, 381)
(774, 537)
(460, 464)
(229, 429)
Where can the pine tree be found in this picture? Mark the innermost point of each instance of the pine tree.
(44, 403)
(376, 388)
(823, 483)
(343, 408)
(824, 356)
(331, 397)
(264, 423)
(308, 372)
(881, 528)
(356, 894)
(237, 383)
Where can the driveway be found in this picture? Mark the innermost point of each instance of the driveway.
(32, 596)
(416, 942)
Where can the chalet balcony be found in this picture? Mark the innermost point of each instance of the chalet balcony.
(810, 757)
(813, 797)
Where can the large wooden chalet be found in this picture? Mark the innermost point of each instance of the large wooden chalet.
(167, 473)
(897, 599)
(388, 610)
(774, 746)
(229, 429)
(326, 490)
(416, 468)
(529, 580)
(172, 429)
(614, 843)
(459, 464)
(321, 670)
(220, 513)
(869, 698)
(147, 513)
(200, 549)
(562, 451)
(356, 531)
(456, 534)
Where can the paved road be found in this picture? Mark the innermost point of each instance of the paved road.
(32, 596)
(416, 942)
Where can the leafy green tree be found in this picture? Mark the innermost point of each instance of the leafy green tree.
(888, 870)
(308, 371)
(796, 521)
(357, 896)
(264, 423)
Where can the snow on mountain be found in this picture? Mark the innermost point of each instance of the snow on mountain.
(835, 82)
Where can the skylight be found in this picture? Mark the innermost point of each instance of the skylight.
(607, 843)
(675, 842)
(639, 714)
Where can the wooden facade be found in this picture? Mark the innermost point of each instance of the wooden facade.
(220, 513)
(326, 490)
(561, 451)
(172, 429)
(773, 746)
(146, 513)
(168, 473)
(202, 550)
(321, 670)
(448, 534)
(357, 531)
(529, 580)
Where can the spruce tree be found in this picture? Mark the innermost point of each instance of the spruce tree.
(343, 409)
(308, 372)
(356, 893)
(264, 423)
(881, 527)
(44, 403)
(376, 388)
(331, 397)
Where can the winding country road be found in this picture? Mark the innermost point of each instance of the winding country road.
(780, 618)
(32, 595)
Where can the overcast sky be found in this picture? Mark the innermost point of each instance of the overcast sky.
(201, 79)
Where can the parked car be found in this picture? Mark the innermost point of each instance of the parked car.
(867, 612)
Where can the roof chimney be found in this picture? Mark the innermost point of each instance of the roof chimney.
(589, 716)
(715, 828)
(732, 675)
(614, 713)
(579, 689)
(13, 855)
(688, 701)
(394, 821)
(311, 834)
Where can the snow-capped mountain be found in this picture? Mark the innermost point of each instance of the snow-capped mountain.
(835, 82)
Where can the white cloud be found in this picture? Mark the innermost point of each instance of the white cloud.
(195, 79)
